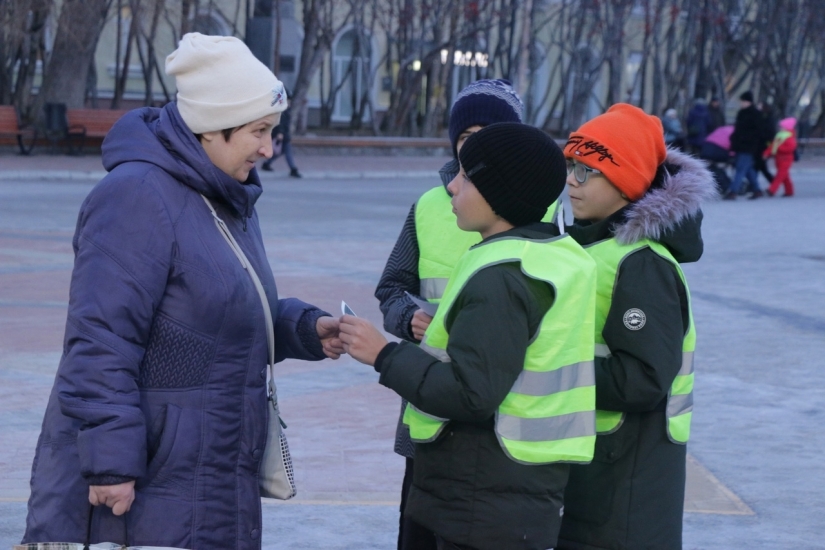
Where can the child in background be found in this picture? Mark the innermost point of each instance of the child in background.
(427, 250)
(636, 206)
(783, 149)
(500, 390)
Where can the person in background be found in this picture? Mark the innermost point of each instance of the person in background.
(427, 249)
(769, 129)
(783, 149)
(636, 207)
(157, 421)
(716, 115)
(672, 127)
(698, 124)
(282, 143)
(500, 389)
(746, 142)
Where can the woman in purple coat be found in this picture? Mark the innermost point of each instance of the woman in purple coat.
(156, 424)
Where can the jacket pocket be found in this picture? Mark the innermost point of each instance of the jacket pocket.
(172, 468)
(597, 494)
(612, 447)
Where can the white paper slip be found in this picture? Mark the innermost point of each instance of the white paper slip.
(346, 310)
(427, 307)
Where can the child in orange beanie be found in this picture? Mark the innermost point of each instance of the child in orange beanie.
(637, 212)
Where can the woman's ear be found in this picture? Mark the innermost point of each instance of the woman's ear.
(209, 136)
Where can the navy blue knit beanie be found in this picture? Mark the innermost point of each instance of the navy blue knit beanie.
(518, 169)
(482, 103)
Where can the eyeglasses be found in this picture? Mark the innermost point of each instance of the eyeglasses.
(580, 171)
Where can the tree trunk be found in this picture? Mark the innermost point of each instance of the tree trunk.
(311, 58)
(79, 26)
(277, 68)
(524, 48)
(123, 76)
(22, 43)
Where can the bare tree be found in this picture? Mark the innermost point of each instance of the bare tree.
(575, 29)
(789, 58)
(613, 21)
(123, 63)
(818, 92)
(522, 76)
(554, 52)
(320, 29)
(79, 26)
(148, 55)
(22, 26)
(420, 33)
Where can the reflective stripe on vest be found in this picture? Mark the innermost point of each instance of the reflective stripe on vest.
(609, 255)
(549, 413)
(441, 243)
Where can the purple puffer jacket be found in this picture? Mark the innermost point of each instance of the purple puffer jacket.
(162, 378)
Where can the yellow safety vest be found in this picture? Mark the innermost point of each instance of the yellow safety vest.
(440, 241)
(609, 255)
(549, 414)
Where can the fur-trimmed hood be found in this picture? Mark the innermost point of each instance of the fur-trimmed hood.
(671, 214)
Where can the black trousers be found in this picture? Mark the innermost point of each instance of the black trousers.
(412, 536)
(761, 166)
(447, 545)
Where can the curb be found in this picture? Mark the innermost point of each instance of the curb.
(51, 175)
(369, 174)
(95, 175)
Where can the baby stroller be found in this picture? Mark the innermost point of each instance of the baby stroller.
(716, 151)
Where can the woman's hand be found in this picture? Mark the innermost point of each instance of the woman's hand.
(361, 339)
(419, 323)
(117, 497)
(327, 329)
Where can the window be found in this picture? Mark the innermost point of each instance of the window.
(351, 63)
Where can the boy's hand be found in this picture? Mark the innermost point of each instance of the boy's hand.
(419, 323)
(361, 339)
(327, 329)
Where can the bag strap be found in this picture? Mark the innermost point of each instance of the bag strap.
(270, 327)
(88, 541)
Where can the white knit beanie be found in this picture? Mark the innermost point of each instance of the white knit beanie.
(221, 84)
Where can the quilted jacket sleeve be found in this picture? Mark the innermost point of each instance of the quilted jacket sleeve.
(400, 275)
(295, 334)
(123, 248)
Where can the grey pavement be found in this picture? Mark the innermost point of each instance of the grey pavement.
(756, 476)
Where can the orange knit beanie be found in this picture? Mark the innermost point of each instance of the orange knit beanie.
(625, 144)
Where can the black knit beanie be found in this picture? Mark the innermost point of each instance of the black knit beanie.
(482, 103)
(518, 169)
(747, 96)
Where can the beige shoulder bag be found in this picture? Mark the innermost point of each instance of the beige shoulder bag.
(275, 477)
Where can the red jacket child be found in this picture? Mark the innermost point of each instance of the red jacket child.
(783, 148)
